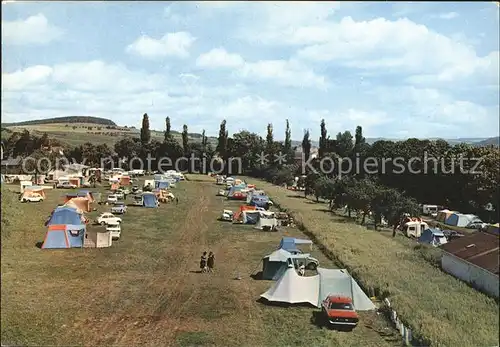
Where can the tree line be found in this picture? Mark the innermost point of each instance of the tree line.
(385, 191)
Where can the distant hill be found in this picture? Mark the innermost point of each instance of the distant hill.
(488, 142)
(87, 120)
(471, 141)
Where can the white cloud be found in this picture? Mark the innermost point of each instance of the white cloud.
(24, 79)
(219, 58)
(401, 46)
(278, 21)
(34, 30)
(449, 15)
(285, 72)
(171, 44)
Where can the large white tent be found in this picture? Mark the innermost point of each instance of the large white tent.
(266, 219)
(293, 289)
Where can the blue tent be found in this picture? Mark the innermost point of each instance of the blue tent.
(65, 216)
(288, 244)
(259, 200)
(64, 236)
(434, 237)
(162, 184)
(149, 200)
(250, 217)
(233, 190)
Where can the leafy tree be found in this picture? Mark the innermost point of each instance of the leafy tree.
(287, 147)
(247, 146)
(361, 195)
(306, 145)
(270, 140)
(185, 139)
(127, 147)
(204, 141)
(222, 140)
(167, 128)
(324, 188)
(145, 132)
(344, 144)
(322, 140)
(25, 145)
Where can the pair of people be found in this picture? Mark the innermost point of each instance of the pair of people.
(207, 263)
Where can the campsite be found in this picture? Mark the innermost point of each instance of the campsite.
(145, 288)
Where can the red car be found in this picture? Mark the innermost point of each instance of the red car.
(339, 312)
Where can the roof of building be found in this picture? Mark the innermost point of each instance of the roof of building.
(480, 249)
(11, 161)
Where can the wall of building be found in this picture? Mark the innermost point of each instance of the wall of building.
(478, 277)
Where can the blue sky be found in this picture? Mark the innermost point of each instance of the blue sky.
(397, 69)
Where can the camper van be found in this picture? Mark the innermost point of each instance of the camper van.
(414, 228)
(430, 210)
(138, 172)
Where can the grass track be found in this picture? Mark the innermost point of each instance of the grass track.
(144, 289)
(440, 308)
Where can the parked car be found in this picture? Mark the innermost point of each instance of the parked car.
(108, 218)
(112, 198)
(477, 226)
(119, 195)
(66, 185)
(119, 208)
(339, 312)
(310, 263)
(32, 198)
(227, 216)
(115, 230)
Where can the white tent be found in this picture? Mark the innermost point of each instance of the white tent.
(266, 219)
(292, 288)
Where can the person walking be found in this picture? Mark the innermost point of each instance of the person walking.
(176, 200)
(203, 262)
(211, 262)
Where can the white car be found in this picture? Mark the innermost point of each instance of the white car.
(115, 230)
(108, 218)
(66, 185)
(112, 198)
(119, 195)
(32, 198)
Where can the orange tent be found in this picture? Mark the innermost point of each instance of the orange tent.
(72, 204)
(28, 191)
(243, 208)
(82, 203)
(125, 180)
(115, 186)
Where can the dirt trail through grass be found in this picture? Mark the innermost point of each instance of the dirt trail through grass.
(145, 289)
(170, 286)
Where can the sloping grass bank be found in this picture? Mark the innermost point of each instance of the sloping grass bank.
(440, 309)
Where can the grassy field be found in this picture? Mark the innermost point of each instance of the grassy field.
(145, 289)
(75, 134)
(440, 309)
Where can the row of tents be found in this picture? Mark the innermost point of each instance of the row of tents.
(457, 219)
(280, 265)
(291, 288)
